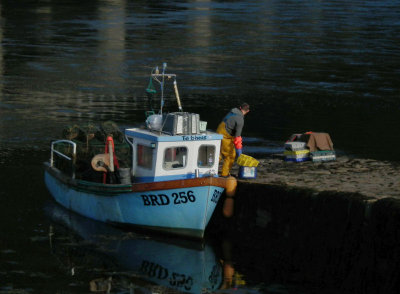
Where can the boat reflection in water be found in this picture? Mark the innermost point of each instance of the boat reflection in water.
(183, 265)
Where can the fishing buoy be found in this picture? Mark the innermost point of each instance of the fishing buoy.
(230, 190)
(113, 162)
(227, 209)
(177, 96)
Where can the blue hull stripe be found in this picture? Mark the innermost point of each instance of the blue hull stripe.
(166, 178)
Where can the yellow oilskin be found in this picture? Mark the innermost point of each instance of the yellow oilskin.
(228, 152)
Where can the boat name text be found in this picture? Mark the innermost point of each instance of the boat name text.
(215, 196)
(156, 271)
(194, 138)
(181, 197)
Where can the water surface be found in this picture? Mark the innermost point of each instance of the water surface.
(330, 66)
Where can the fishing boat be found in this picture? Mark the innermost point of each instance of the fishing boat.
(171, 184)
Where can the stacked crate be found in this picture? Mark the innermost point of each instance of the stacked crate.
(181, 123)
(296, 151)
(248, 167)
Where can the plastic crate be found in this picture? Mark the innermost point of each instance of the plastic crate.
(327, 155)
(324, 158)
(294, 146)
(247, 172)
(245, 160)
(181, 123)
(298, 159)
(203, 126)
(323, 153)
(297, 156)
(298, 152)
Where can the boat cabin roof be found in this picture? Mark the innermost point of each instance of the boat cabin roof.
(156, 136)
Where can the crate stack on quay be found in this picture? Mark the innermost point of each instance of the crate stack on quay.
(316, 147)
(296, 151)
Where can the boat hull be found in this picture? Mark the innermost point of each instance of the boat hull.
(182, 207)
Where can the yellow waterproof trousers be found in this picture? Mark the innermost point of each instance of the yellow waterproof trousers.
(228, 152)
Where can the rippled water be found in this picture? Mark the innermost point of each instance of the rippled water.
(330, 66)
(324, 66)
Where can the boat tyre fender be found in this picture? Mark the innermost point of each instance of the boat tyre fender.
(101, 162)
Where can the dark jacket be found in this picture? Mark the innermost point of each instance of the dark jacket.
(234, 122)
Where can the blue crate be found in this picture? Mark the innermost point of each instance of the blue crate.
(247, 172)
(301, 159)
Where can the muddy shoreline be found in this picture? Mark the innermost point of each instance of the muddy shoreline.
(370, 178)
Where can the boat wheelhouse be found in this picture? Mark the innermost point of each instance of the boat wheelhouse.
(159, 157)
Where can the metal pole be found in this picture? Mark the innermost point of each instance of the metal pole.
(162, 86)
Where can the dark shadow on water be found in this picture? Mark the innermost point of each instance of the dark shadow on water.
(130, 259)
(105, 257)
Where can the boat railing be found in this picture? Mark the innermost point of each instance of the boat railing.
(59, 153)
(129, 140)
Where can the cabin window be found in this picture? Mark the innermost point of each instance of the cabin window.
(206, 157)
(144, 156)
(175, 157)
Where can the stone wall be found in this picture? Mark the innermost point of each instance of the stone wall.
(326, 240)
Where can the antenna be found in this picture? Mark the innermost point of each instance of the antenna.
(160, 78)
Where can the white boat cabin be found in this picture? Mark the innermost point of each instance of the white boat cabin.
(158, 156)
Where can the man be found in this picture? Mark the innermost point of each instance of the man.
(231, 128)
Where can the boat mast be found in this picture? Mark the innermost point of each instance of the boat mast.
(162, 86)
(160, 78)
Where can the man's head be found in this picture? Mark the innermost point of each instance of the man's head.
(244, 108)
